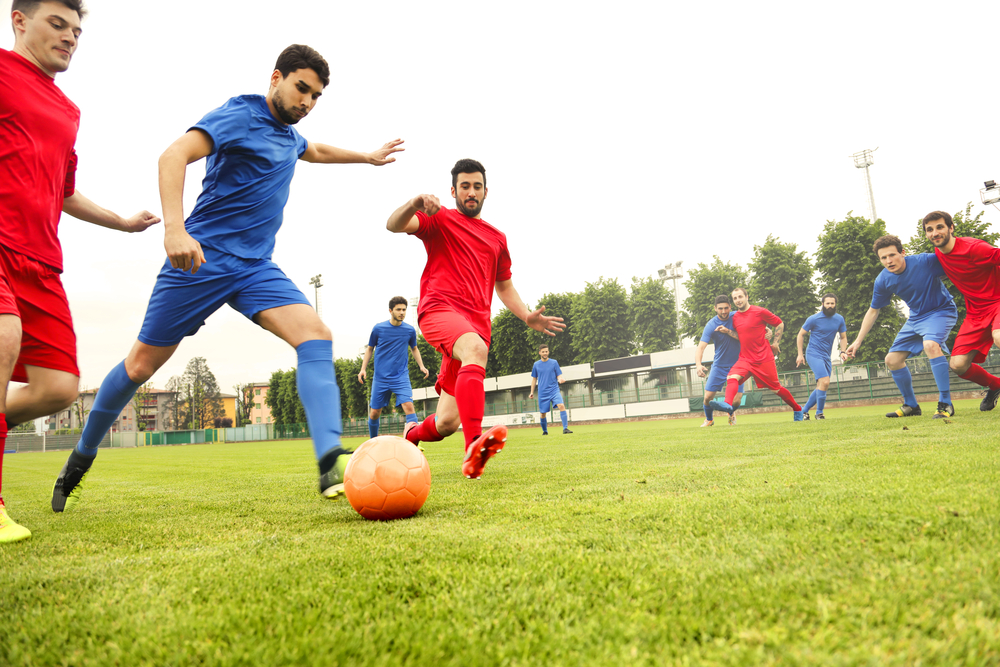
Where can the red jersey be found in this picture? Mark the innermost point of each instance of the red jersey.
(751, 325)
(38, 126)
(974, 266)
(466, 257)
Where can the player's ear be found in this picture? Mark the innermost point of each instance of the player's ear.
(276, 78)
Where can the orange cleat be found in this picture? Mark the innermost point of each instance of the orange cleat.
(482, 449)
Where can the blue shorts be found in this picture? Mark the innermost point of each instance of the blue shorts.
(382, 389)
(821, 367)
(544, 404)
(935, 326)
(181, 302)
(716, 380)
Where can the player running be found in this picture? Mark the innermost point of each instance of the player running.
(973, 266)
(467, 259)
(916, 279)
(390, 341)
(756, 355)
(823, 328)
(222, 255)
(38, 128)
(547, 376)
(727, 351)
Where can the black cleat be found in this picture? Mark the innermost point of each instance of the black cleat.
(69, 484)
(944, 410)
(990, 397)
(805, 416)
(905, 411)
(566, 430)
(820, 415)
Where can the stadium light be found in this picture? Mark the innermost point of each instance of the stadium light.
(673, 272)
(316, 281)
(863, 160)
(991, 193)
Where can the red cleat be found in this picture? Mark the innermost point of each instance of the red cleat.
(482, 449)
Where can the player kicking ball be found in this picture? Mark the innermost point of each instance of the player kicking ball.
(973, 266)
(547, 376)
(390, 341)
(467, 260)
(823, 328)
(916, 279)
(222, 255)
(727, 351)
(756, 355)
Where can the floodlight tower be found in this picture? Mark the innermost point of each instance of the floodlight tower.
(864, 160)
(673, 272)
(316, 281)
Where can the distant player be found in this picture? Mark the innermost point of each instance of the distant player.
(38, 127)
(727, 351)
(390, 340)
(916, 279)
(222, 255)
(547, 376)
(467, 259)
(823, 329)
(756, 355)
(973, 266)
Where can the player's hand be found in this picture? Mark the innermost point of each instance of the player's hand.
(799, 360)
(775, 348)
(544, 323)
(852, 350)
(424, 371)
(700, 371)
(381, 156)
(843, 356)
(429, 204)
(184, 252)
(531, 395)
(363, 374)
(140, 222)
(722, 329)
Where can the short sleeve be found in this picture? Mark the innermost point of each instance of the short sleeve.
(809, 324)
(69, 187)
(770, 317)
(881, 295)
(843, 325)
(534, 370)
(983, 251)
(706, 334)
(934, 266)
(558, 369)
(413, 337)
(301, 143)
(428, 223)
(373, 339)
(503, 263)
(225, 126)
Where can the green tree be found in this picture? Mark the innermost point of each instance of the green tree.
(244, 403)
(204, 400)
(653, 316)
(355, 395)
(561, 345)
(782, 283)
(848, 266)
(510, 350)
(141, 402)
(601, 323)
(288, 396)
(273, 400)
(432, 362)
(704, 283)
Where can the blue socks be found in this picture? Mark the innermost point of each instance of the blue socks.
(319, 394)
(813, 399)
(564, 418)
(904, 381)
(115, 393)
(545, 425)
(412, 418)
(372, 428)
(708, 412)
(939, 367)
(820, 401)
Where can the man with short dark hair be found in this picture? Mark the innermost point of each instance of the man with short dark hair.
(916, 279)
(389, 342)
(823, 328)
(467, 260)
(37, 183)
(222, 255)
(727, 351)
(973, 266)
(547, 376)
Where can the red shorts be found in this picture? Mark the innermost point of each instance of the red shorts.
(33, 291)
(441, 328)
(976, 334)
(765, 373)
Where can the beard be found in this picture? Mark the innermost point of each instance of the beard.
(472, 213)
(284, 114)
(945, 241)
(829, 312)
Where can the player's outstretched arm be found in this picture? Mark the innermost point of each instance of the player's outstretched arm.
(866, 325)
(420, 362)
(82, 208)
(533, 318)
(404, 218)
(364, 364)
(184, 252)
(799, 342)
(326, 154)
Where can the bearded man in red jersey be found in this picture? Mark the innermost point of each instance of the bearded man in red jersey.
(467, 259)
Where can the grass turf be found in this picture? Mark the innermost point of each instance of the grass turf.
(854, 541)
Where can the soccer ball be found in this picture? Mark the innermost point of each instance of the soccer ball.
(387, 478)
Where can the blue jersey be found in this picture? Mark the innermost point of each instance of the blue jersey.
(823, 332)
(547, 373)
(247, 178)
(727, 348)
(391, 345)
(919, 285)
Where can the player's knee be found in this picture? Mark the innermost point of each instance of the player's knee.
(61, 395)
(961, 366)
(374, 414)
(823, 384)
(447, 424)
(932, 347)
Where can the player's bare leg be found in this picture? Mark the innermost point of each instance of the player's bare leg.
(48, 391)
(10, 349)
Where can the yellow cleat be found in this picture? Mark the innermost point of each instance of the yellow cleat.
(10, 530)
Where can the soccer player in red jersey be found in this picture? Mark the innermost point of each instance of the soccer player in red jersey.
(37, 183)
(467, 260)
(756, 355)
(973, 266)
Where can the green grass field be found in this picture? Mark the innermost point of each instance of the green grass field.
(852, 541)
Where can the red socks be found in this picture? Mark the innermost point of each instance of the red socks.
(470, 395)
(786, 396)
(732, 386)
(3, 445)
(426, 431)
(978, 374)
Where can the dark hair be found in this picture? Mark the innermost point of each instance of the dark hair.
(543, 346)
(722, 298)
(467, 166)
(887, 241)
(300, 56)
(939, 215)
(28, 7)
(742, 289)
(395, 301)
(829, 295)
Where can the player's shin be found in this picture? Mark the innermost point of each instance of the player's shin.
(904, 381)
(732, 388)
(372, 428)
(115, 393)
(471, 399)
(564, 418)
(813, 400)
(426, 431)
(545, 424)
(789, 400)
(820, 401)
(981, 376)
(939, 367)
(320, 396)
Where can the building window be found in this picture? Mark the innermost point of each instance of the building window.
(257, 392)
(258, 420)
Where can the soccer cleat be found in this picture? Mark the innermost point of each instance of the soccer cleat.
(905, 411)
(944, 410)
(990, 397)
(716, 404)
(820, 415)
(566, 431)
(797, 416)
(482, 450)
(331, 483)
(805, 416)
(707, 422)
(545, 432)
(408, 427)
(10, 530)
(69, 485)
(732, 420)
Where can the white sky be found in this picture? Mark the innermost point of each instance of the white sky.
(616, 138)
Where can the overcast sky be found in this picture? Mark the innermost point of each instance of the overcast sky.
(616, 138)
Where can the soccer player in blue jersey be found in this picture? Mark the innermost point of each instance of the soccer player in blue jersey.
(823, 328)
(222, 255)
(916, 279)
(727, 351)
(547, 376)
(389, 341)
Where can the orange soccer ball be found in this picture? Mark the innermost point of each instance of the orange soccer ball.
(387, 478)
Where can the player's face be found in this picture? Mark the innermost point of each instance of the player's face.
(51, 35)
(723, 310)
(829, 306)
(544, 353)
(938, 233)
(399, 312)
(740, 299)
(892, 259)
(294, 96)
(470, 194)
